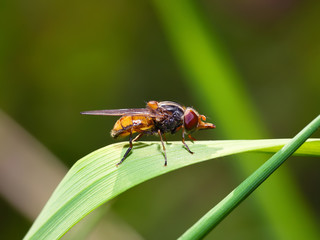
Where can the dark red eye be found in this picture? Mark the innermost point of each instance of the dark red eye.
(190, 119)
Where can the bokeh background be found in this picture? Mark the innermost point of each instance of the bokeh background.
(251, 66)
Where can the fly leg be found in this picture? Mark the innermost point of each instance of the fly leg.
(192, 138)
(164, 138)
(137, 137)
(164, 149)
(183, 132)
(128, 150)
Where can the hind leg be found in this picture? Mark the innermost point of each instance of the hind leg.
(128, 150)
(137, 137)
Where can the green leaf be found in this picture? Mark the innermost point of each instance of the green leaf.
(95, 179)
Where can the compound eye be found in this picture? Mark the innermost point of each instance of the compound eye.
(191, 120)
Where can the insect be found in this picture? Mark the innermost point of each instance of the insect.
(158, 118)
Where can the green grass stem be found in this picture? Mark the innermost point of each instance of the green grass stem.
(221, 210)
(212, 76)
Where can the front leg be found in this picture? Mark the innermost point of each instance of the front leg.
(183, 141)
(191, 138)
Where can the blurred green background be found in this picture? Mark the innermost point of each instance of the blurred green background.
(58, 58)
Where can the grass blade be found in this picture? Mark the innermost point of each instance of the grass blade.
(95, 179)
(213, 79)
(221, 210)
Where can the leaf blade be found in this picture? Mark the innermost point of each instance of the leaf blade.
(95, 179)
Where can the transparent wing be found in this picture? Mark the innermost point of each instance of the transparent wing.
(124, 112)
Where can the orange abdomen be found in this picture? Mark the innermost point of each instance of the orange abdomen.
(133, 124)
